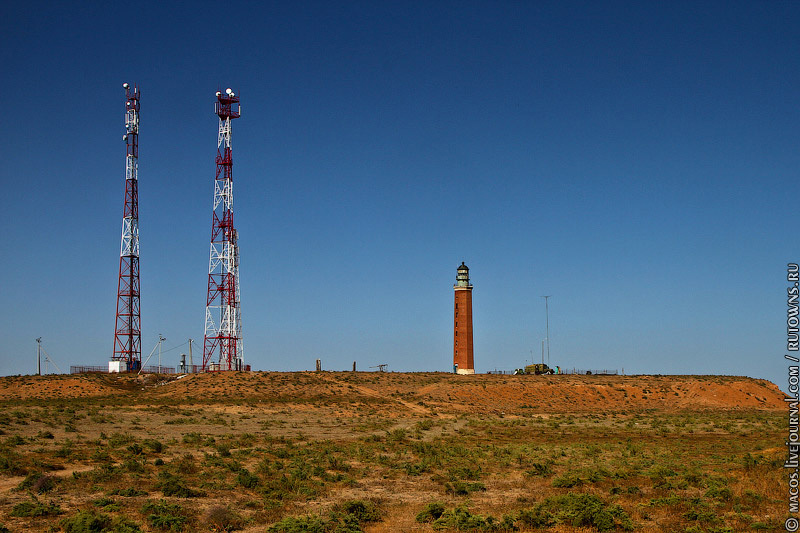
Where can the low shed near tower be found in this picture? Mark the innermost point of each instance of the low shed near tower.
(463, 362)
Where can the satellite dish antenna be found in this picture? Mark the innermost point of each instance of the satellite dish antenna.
(125, 85)
(218, 93)
(228, 90)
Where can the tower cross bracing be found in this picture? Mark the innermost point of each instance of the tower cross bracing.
(222, 348)
(127, 330)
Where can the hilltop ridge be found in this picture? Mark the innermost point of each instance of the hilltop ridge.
(432, 392)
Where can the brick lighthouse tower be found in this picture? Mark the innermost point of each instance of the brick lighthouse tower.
(462, 329)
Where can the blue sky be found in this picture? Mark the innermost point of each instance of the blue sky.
(636, 161)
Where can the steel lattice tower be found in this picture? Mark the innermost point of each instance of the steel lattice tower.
(239, 340)
(127, 333)
(222, 349)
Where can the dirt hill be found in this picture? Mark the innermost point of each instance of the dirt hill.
(420, 392)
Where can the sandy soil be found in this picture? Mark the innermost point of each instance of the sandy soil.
(419, 393)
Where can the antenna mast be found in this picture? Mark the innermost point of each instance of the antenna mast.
(222, 345)
(39, 355)
(239, 340)
(127, 333)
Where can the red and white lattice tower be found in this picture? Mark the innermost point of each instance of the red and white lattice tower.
(127, 333)
(239, 340)
(222, 349)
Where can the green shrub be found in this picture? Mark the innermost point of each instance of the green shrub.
(584, 510)
(133, 465)
(129, 492)
(33, 509)
(304, 524)
(362, 510)
(462, 520)
(135, 449)
(65, 450)
(223, 450)
(568, 481)
(38, 482)
(540, 469)
(100, 473)
(660, 475)
(108, 504)
(119, 439)
(719, 492)
(425, 425)
(10, 463)
(155, 446)
(536, 517)
(431, 512)
(347, 517)
(120, 524)
(701, 513)
(14, 440)
(86, 522)
(416, 469)
(465, 472)
(172, 485)
(164, 515)
(247, 479)
(91, 522)
(192, 438)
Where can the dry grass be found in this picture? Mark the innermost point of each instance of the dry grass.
(272, 446)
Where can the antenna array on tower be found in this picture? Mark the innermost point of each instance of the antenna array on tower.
(222, 348)
(127, 332)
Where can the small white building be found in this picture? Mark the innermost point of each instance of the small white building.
(117, 366)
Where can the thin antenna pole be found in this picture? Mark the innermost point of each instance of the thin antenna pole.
(39, 355)
(547, 326)
(191, 361)
(160, 340)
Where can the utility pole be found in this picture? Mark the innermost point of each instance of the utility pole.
(39, 355)
(547, 326)
(160, 340)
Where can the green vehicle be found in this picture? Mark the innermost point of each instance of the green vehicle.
(535, 369)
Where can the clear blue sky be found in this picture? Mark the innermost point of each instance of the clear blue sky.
(637, 161)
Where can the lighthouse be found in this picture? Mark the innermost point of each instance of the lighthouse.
(462, 328)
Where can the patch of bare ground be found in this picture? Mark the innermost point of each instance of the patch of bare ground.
(661, 453)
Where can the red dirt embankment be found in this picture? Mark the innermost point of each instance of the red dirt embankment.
(615, 393)
(65, 386)
(400, 392)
